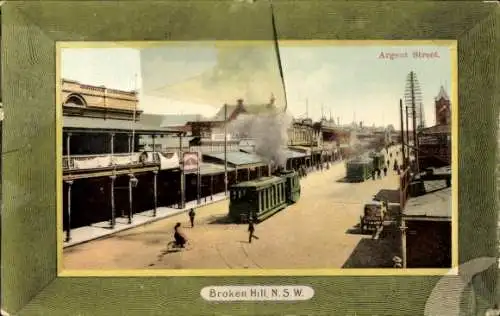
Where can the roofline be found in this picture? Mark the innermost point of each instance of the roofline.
(83, 130)
(206, 121)
(129, 92)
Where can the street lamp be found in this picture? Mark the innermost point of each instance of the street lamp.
(131, 184)
(134, 181)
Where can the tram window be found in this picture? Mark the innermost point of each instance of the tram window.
(267, 198)
(273, 195)
(278, 193)
(264, 192)
(271, 192)
(263, 200)
(260, 200)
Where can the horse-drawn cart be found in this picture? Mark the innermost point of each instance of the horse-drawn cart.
(383, 208)
(373, 217)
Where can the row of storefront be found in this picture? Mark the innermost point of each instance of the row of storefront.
(106, 187)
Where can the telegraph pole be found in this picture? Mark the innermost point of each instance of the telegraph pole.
(183, 176)
(414, 114)
(134, 116)
(407, 134)
(225, 150)
(402, 131)
(413, 96)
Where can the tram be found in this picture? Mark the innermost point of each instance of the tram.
(261, 198)
(359, 169)
(378, 161)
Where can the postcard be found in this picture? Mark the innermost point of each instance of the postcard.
(245, 157)
(249, 158)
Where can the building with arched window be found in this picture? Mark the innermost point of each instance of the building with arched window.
(98, 101)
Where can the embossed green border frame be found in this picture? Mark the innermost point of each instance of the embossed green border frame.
(28, 247)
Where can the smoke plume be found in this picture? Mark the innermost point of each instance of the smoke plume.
(269, 130)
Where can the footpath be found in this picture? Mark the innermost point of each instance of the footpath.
(103, 229)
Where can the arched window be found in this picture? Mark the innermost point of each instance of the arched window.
(75, 100)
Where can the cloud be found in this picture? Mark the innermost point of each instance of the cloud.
(249, 72)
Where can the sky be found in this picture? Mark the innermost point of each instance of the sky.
(350, 82)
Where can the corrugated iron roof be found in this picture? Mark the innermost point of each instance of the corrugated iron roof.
(436, 129)
(96, 125)
(211, 169)
(236, 158)
(289, 153)
(431, 205)
(391, 196)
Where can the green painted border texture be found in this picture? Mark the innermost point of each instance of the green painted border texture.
(30, 29)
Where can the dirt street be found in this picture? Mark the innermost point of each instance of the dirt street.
(317, 232)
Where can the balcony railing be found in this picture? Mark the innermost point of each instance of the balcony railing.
(102, 161)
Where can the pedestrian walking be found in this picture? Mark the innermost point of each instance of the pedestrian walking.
(379, 173)
(179, 237)
(385, 171)
(373, 174)
(251, 230)
(192, 214)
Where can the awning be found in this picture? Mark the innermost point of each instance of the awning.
(290, 154)
(95, 125)
(306, 150)
(429, 206)
(237, 159)
(207, 169)
(301, 149)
